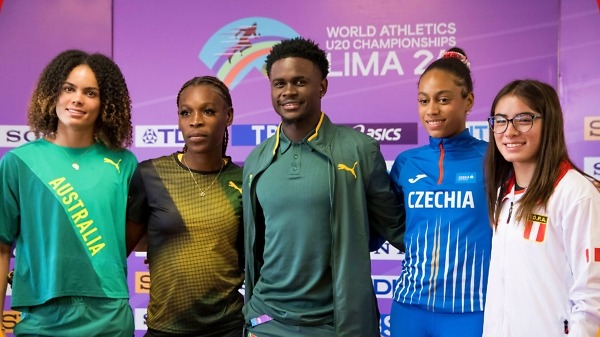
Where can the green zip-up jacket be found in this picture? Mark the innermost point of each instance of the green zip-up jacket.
(364, 207)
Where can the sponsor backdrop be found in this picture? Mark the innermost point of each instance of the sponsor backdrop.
(377, 52)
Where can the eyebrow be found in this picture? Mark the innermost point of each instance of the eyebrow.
(86, 88)
(437, 93)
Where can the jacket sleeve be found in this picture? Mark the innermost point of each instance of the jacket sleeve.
(581, 230)
(386, 210)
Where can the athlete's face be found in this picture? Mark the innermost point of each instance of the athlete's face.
(520, 148)
(78, 104)
(203, 117)
(442, 108)
(297, 87)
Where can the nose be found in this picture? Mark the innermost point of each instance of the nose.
(433, 109)
(288, 90)
(76, 98)
(196, 119)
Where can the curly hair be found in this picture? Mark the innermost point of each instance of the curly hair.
(223, 91)
(298, 47)
(456, 67)
(113, 126)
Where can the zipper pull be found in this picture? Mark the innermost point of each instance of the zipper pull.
(566, 326)
(509, 212)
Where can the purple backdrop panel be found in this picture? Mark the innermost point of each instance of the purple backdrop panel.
(33, 32)
(580, 82)
(377, 51)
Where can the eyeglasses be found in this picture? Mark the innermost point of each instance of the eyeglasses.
(522, 122)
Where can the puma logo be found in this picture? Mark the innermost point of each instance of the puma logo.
(232, 184)
(417, 178)
(116, 165)
(346, 168)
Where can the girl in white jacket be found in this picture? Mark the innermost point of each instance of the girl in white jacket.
(544, 277)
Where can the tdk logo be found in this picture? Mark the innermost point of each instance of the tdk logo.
(384, 285)
(591, 166)
(251, 135)
(15, 135)
(158, 136)
(479, 130)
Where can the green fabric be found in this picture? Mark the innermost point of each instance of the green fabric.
(362, 200)
(294, 196)
(68, 225)
(193, 245)
(77, 317)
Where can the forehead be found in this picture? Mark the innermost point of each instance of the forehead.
(294, 67)
(201, 92)
(438, 80)
(511, 105)
(84, 75)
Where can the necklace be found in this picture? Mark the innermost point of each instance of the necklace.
(202, 193)
(75, 165)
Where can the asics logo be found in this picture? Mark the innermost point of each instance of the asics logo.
(417, 178)
(346, 168)
(116, 165)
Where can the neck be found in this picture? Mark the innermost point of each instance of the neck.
(297, 129)
(203, 162)
(71, 138)
(524, 173)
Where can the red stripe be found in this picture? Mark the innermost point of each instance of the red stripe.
(597, 254)
(527, 232)
(1, 4)
(541, 234)
(587, 252)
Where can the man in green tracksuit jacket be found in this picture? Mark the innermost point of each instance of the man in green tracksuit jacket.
(315, 196)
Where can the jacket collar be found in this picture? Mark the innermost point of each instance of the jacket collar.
(317, 138)
(564, 167)
(455, 142)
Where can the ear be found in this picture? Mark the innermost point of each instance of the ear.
(323, 89)
(229, 116)
(470, 100)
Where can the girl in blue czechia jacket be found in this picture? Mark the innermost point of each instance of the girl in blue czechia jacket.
(441, 289)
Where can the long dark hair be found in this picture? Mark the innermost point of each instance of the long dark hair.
(543, 99)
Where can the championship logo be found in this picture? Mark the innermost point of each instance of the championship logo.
(237, 48)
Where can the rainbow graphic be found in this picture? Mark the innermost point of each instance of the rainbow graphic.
(240, 46)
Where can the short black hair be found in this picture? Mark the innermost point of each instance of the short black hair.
(298, 47)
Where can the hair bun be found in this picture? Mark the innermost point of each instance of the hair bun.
(454, 54)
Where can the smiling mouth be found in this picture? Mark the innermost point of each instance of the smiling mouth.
(435, 122)
(289, 105)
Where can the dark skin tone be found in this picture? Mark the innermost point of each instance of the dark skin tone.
(297, 87)
(203, 117)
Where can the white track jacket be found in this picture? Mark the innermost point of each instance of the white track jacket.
(544, 277)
